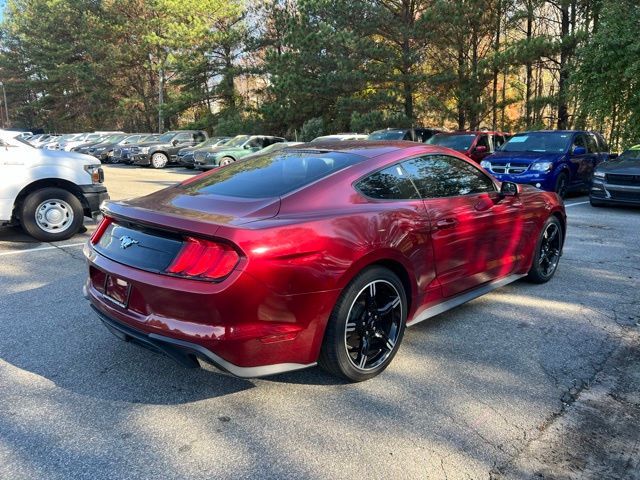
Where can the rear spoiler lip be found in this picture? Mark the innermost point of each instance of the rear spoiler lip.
(165, 221)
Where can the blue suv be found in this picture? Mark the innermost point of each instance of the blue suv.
(554, 160)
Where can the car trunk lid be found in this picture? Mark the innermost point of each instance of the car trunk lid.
(149, 232)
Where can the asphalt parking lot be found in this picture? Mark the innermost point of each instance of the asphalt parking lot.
(500, 387)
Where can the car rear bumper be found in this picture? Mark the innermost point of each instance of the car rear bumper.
(239, 325)
(187, 353)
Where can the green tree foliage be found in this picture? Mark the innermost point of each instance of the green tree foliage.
(312, 128)
(280, 66)
(375, 120)
(608, 78)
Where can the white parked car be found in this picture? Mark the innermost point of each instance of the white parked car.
(47, 192)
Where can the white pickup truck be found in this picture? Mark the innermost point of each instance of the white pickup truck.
(47, 192)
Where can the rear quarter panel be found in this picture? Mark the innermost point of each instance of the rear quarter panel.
(538, 207)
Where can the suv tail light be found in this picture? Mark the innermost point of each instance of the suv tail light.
(204, 259)
(100, 229)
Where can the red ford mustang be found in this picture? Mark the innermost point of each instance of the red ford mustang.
(317, 254)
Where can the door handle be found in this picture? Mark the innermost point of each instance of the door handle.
(446, 223)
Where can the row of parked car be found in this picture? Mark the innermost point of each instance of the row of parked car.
(560, 161)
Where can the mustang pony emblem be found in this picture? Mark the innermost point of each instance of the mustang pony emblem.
(126, 242)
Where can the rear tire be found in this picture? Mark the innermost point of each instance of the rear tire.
(562, 184)
(51, 214)
(366, 326)
(159, 160)
(547, 253)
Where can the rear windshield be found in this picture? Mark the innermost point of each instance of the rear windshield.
(543, 142)
(455, 142)
(271, 175)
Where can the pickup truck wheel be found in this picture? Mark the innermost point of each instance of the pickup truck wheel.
(159, 160)
(51, 214)
(226, 161)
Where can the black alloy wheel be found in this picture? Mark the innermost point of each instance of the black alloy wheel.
(373, 325)
(548, 251)
(366, 327)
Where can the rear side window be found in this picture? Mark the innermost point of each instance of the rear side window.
(483, 141)
(592, 146)
(271, 175)
(580, 141)
(392, 183)
(439, 176)
(602, 143)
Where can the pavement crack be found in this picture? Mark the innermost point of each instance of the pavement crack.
(67, 251)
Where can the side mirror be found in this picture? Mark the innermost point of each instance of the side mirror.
(579, 150)
(174, 142)
(509, 189)
(480, 149)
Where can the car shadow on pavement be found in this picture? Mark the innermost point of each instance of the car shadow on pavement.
(17, 235)
(69, 346)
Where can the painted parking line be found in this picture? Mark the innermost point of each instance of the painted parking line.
(40, 249)
(574, 204)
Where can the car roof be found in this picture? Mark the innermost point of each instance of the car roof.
(368, 149)
(554, 131)
(473, 132)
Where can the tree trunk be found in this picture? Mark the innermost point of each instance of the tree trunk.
(528, 67)
(565, 50)
(475, 82)
(461, 88)
(228, 93)
(496, 70)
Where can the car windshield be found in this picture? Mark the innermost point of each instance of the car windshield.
(387, 135)
(461, 143)
(271, 175)
(165, 138)
(114, 138)
(237, 141)
(131, 139)
(630, 154)
(210, 141)
(543, 142)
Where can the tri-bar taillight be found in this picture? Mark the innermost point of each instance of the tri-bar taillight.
(100, 229)
(204, 259)
(197, 258)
